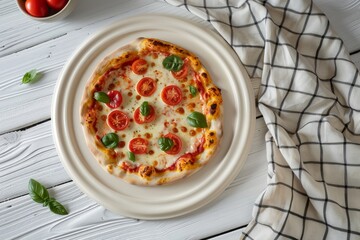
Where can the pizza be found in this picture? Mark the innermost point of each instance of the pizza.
(151, 113)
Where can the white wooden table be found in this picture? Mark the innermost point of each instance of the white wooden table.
(27, 149)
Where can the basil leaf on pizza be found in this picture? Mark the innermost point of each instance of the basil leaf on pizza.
(173, 63)
(162, 115)
(193, 90)
(131, 156)
(145, 109)
(197, 119)
(110, 140)
(165, 143)
(101, 97)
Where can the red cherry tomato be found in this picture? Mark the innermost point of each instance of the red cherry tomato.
(57, 4)
(118, 120)
(139, 66)
(37, 8)
(176, 148)
(171, 95)
(138, 145)
(140, 119)
(115, 99)
(182, 74)
(146, 87)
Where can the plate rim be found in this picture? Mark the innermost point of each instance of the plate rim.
(65, 154)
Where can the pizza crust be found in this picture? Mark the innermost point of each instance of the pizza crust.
(147, 174)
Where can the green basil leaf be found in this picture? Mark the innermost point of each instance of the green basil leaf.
(131, 156)
(173, 63)
(101, 97)
(57, 208)
(47, 201)
(193, 90)
(145, 109)
(196, 119)
(30, 76)
(37, 191)
(165, 143)
(40, 194)
(110, 140)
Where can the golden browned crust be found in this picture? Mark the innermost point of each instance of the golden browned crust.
(156, 45)
(185, 165)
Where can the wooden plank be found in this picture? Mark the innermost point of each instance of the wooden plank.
(25, 219)
(28, 154)
(31, 154)
(19, 33)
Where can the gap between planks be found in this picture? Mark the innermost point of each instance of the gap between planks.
(25, 194)
(232, 233)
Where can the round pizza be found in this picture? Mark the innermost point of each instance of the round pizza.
(151, 113)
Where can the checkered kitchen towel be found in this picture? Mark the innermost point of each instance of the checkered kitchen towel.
(310, 101)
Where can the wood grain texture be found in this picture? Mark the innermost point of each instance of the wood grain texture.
(19, 33)
(27, 154)
(33, 150)
(87, 220)
(22, 218)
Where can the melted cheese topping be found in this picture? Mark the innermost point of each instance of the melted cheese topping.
(169, 119)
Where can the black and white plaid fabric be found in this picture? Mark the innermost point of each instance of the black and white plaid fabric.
(310, 101)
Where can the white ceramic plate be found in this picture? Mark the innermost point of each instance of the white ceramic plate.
(187, 194)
